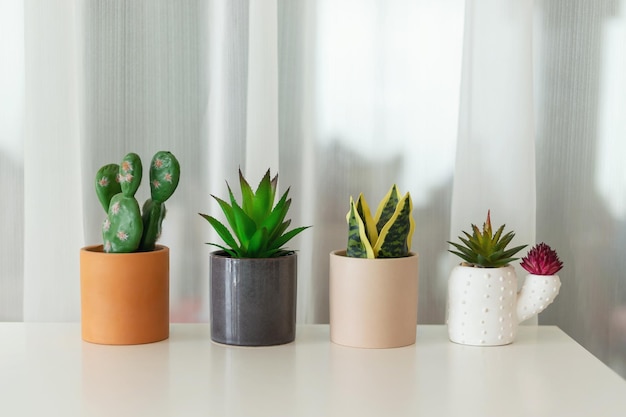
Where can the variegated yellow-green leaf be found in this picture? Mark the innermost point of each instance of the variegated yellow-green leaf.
(358, 245)
(364, 212)
(393, 241)
(387, 207)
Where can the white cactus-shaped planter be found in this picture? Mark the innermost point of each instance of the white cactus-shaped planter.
(485, 308)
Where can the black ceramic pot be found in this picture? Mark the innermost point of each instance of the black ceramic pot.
(253, 301)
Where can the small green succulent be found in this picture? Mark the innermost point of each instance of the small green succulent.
(260, 227)
(386, 235)
(486, 249)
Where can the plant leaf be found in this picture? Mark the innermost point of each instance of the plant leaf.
(387, 207)
(228, 212)
(358, 245)
(393, 239)
(245, 226)
(278, 232)
(273, 185)
(366, 215)
(282, 240)
(229, 251)
(466, 258)
(222, 231)
(247, 195)
(258, 243)
(263, 199)
(276, 217)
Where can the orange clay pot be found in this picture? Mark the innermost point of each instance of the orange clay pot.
(124, 296)
(373, 302)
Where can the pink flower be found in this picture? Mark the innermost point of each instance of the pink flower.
(104, 181)
(168, 177)
(542, 260)
(121, 235)
(115, 208)
(158, 163)
(156, 184)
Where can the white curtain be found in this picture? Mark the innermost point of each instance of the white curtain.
(511, 106)
(495, 158)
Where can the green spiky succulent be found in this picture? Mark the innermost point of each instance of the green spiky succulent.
(386, 235)
(486, 250)
(260, 227)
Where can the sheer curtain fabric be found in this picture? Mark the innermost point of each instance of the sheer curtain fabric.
(512, 106)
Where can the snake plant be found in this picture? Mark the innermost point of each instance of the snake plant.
(388, 234)
(259, 225)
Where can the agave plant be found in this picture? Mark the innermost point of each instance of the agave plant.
(258, 224)
(486, 249)
(542, 260)
(388, 234)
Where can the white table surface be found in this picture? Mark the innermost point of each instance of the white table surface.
(47, 370)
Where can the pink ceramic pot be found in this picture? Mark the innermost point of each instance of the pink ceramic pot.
(373, 302)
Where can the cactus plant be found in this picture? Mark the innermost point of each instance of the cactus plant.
(386, 235)
(486, 250)
(125, 229)
(541, 260)
(260, 227)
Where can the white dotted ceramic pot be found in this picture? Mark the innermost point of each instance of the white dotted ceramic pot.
(484, 307)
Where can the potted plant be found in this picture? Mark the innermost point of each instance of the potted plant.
(542, 284)
(253, 279)
(483, 302)
(125, 281)
(373, 283)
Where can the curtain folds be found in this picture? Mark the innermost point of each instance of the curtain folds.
(495, 159)
(510, 106)
(53, 172)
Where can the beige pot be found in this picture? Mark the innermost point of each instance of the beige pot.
(124, 296)
(373, 302)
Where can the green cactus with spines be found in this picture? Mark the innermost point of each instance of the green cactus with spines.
(125, 229)
(164, 177)
(130, 174)
(107, 184)
(122, 228)
(152, 218)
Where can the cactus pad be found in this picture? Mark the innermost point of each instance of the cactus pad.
(122, 229)
(130, 174)
(107, 184)
(164, 176)
(125, 229)
(153, 215)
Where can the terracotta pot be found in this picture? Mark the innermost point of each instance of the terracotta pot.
(253, 301)
(373, 302)
(124, 296)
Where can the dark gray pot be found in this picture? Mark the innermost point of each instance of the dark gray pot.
(253, 301)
